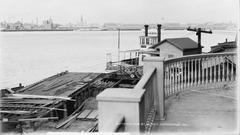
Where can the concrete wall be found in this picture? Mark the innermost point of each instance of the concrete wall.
(134, 104)
(169, 49)
(119, 101)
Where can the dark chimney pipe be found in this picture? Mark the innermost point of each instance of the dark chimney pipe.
(159, 26)
(146, 30)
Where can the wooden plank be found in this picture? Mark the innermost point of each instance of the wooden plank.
(39, 119)
(32, 107)
(91, 129)
(15, 112)
(93, 114)
(21, 103)
(37, 96)
(70, 117)
(84, 114)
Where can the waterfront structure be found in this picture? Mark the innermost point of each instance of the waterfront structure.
(175, 95)
(63, 100)
(177, 47)
(227, 46)
(178, 86)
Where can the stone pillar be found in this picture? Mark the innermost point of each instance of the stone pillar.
(113, 102)
(159, 101)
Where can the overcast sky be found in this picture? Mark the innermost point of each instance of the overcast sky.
(120, 11)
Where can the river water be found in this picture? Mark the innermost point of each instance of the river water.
(27, 57)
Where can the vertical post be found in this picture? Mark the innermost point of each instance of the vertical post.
(174, 77)
(215, 69)
(219, 68)
(65, 112)
(203, 71)
(223, 59)
(188, 73)
(192, 73)
(195, 75)
(199, 70)
(182, 63)
(210, 73)
(207, 70)
(185, 74)
(227, 69)
(232, 74)
(165, 78)
(178, 76)
(158, 63)
(170, 79)
(119, 46)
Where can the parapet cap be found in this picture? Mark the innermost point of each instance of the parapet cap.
(153, 59)
(121, 95)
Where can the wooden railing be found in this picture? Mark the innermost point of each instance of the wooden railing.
(147, 108)
(198, 70)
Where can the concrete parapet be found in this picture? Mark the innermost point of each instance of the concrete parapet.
(157, 62)
(120, 101)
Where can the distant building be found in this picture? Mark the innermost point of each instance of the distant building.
(177, 47)
(28, 26)
(47, 24)
(224, 47)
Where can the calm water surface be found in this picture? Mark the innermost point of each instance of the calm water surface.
(27, 57)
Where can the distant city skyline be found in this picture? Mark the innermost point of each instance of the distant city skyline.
(120, 11)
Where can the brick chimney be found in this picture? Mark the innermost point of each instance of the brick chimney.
(146, 30)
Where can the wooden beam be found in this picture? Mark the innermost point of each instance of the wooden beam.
(38, 119)
(30, 107)
(15, 112)
(22, 103)
(19, 96)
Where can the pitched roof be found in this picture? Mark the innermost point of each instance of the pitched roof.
(181, 43)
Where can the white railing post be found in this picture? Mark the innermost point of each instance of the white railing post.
(159, 101)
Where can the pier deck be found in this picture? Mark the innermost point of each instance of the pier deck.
(199, 111)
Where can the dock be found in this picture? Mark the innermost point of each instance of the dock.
(63, 100)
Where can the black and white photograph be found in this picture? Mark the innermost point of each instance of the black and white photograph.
(123, 67)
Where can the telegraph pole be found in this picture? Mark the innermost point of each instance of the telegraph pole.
(198, 33)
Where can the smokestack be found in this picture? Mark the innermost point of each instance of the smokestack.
(159, 26)
(146, 30)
